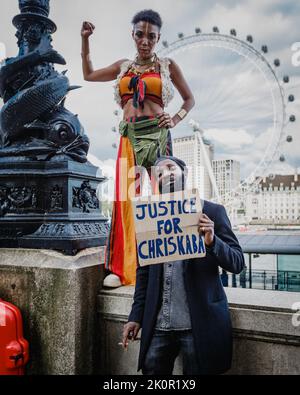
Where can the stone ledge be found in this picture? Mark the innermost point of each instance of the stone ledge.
(258, 313)
(57, 295)
(248, 299)
(265, 340)
(261, 299)
(52, 259)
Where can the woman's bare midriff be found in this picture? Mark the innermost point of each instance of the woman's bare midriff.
(150, 108)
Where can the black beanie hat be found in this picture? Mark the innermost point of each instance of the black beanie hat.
(179, 162)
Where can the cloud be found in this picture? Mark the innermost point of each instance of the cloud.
(234, 139)
(254, 156)
(107, 166)
(283, 168)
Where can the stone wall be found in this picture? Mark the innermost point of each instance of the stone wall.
(265, 339)
(74, 327)
(57, 296)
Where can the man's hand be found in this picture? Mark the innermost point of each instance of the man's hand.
(206, 227)
(130, 331)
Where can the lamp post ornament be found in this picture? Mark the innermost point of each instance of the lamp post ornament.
(46, 199)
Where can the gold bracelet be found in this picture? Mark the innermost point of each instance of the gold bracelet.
(182, 113)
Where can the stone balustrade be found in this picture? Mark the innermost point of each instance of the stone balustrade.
(266, 335)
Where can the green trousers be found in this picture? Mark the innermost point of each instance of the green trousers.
(147, 139)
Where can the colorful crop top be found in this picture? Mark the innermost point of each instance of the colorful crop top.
(139, 87)
(157, 87)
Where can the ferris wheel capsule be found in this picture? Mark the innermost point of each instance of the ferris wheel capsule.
(264, 48)
(197, 30)
(277, 62)
(282, 158)
(271, 176)
(249, 38)
(291, 98)
(289, 138)
(286, 79)
(233, 32)
(292, 118)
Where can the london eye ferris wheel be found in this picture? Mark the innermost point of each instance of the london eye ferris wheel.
(243, 105)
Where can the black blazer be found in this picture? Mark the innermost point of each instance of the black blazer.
(210, 318)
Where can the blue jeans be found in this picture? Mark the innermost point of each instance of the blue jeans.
(165, 347)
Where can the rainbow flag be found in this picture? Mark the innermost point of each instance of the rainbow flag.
(121, 252)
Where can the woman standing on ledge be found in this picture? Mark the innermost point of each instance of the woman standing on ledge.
(143, 88)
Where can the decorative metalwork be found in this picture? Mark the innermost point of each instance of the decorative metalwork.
(44, 202)
(36, 92)
(85, 197)
(56, 198)
(16, 199)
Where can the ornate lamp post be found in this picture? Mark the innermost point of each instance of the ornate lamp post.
(47, 187)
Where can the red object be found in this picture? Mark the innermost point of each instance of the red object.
(14, 349)
(141, 90)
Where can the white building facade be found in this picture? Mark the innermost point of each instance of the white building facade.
(188, 149)
(227, 175)
(277, 199)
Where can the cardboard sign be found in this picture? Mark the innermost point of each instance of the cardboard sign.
(167, 227)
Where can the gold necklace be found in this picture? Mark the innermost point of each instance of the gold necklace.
(134, 70)
(145, 62)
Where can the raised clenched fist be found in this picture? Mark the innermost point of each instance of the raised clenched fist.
(87, 29)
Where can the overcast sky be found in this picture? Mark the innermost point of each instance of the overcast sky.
(233, 99)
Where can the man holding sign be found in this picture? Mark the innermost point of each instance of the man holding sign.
(179, 300)
(166, 227)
